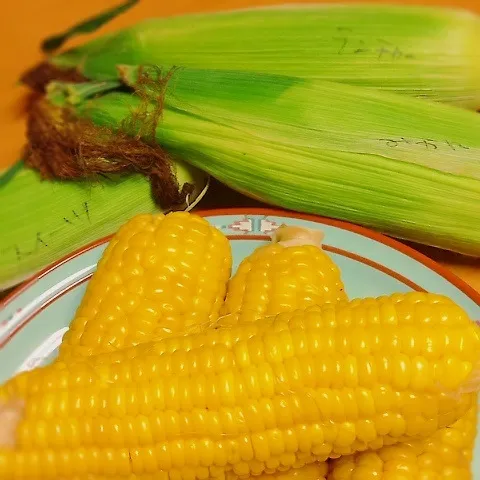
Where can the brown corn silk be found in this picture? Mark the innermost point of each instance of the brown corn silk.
(61, 145)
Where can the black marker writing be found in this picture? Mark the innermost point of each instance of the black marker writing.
(391, 142)
(454, 146)
(426, 143)
(344, 44)
(361, 49)
(44, 239)
(87, 211)
(39, 240)
(380, 47)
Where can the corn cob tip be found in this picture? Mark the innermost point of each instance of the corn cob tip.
(472, 383)
(10, 416)
(290, 236)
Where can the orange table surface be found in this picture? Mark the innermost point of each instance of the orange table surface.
(25, 23)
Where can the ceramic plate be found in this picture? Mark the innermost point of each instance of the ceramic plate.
(34, 318)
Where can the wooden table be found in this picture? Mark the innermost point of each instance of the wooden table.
(25, 23)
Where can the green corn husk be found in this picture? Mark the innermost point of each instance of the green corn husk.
(405, 167)
(417, 51)
(42, 221)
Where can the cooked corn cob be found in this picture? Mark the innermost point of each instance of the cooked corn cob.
(155, 270)
(418, 51)
(446, 455)
(248, 282)
(188, 353)
(44, 220)
(309, 385)
(290, 273)
(279, 139)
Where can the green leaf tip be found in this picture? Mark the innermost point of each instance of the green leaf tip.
(8, 174)
(54, 42)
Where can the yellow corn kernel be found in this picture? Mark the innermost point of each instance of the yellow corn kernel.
(292, 272)
(446, 455)
(160, 275)
(312, 471)
(290, 397)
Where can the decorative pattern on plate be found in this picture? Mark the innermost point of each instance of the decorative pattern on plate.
(251, 224)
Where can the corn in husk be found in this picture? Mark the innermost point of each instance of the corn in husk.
(406, 167)
(417, 51)
(43, 221)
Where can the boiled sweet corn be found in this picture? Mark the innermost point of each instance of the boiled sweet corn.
(457, 462)
(446, 455)
(155, 270)
(190, 354)
(292, 272)
(306, 386)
